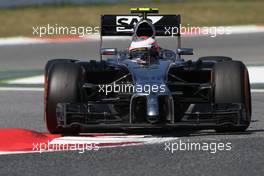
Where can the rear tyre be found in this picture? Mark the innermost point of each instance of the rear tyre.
(62, 85)
(50, 63)
(232, 86)
(215, 58)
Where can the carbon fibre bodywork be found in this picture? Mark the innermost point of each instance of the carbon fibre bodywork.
(187, 99)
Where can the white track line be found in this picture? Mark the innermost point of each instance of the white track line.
(257, 90)
(33, 89)
(17, 152)
(20, 41)
(28, 80)
(256, 74)
(108, 139)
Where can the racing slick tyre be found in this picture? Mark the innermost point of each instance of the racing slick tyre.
(61, 85)
(232, 86)
(50, 63)
(215, 58)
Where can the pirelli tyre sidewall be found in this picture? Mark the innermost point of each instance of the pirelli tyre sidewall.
(231, 82)
(61, 85)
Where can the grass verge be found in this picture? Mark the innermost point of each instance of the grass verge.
(19, 21)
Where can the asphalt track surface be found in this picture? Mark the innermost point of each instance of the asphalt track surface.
(25, 110)
(246, 47)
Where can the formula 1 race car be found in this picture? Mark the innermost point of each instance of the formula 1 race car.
(146, 86)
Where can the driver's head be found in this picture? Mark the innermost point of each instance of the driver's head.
(144, 48)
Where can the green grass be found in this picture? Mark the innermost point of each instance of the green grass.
(19, 21)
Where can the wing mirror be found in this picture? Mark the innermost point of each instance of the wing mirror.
(185, 51)
(108, 51)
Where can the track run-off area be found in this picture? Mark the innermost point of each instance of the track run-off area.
(26, 147)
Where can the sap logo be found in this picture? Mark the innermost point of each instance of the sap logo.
(128, 22)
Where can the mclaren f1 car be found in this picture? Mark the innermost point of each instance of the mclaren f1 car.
(146, 86)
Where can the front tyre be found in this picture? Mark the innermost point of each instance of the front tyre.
(61, 86)
(232, 86)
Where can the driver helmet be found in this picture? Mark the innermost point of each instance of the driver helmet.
(144, 49)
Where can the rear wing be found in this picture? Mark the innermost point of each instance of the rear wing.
(123, 25)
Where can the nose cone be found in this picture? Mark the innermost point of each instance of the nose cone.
(152, 105)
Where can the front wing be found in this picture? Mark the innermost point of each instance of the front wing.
(96, 115)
